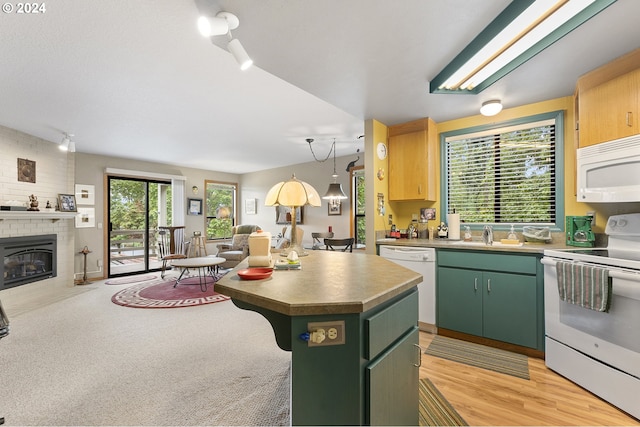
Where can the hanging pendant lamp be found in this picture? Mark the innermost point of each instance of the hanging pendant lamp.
(334, 193)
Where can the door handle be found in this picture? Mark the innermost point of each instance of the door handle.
(488, 285)
(475, 284)
(629, 118)
(419, 356)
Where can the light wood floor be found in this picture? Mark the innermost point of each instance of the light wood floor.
(483, 397)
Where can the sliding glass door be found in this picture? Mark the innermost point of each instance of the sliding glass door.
(136, 207)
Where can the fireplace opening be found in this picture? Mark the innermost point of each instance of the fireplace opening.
(27, 259)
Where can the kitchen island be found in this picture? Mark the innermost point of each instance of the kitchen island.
(365, 369)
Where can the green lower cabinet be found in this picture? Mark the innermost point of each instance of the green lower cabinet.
(391, 383)
(459, 300)
(503, 306)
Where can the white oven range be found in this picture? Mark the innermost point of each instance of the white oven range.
(599, 350)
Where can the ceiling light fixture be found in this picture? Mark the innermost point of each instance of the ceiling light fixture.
(334, 193)
(491, 108)
(521, 31)
(220, 25)
(67, 144)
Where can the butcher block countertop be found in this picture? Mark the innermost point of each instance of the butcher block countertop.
(328, 283)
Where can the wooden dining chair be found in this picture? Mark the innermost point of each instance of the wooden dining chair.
(331, 244)
(171, 245)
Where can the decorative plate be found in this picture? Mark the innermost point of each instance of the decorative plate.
(256, 273)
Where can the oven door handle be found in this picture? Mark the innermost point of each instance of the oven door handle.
(624, 288)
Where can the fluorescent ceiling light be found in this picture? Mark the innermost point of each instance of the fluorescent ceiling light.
(520, 32)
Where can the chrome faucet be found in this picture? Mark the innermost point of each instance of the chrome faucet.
(487, 235)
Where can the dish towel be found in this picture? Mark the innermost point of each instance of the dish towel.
(584, 285)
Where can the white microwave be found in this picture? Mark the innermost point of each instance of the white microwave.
(610, 172)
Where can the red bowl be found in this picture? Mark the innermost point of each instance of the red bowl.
(255, 273)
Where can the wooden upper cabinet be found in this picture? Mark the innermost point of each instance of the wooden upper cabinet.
(609, 111)
(609, 101)
(412, 161)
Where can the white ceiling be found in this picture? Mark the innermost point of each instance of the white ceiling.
(135, 79)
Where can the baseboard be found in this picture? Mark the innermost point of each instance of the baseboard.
(531, 352)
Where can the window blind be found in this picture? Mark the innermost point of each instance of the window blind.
(504, 175)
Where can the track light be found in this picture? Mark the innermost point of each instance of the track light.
(491, 108)
(240, 54)
(67, 144)
(222, 24)
(212, 26)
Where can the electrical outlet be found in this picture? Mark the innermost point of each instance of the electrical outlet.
(592, 214)
(326, 333)
(390, 219)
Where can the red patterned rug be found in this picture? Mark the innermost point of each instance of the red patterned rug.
(164, 295)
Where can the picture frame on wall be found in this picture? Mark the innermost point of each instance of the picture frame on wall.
(283, 215)
(85, 194)
(194, 206)
(67, 203)
(250, 206)
(86, 218)
(334, 209)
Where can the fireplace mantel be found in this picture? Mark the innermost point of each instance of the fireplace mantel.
(52, 215)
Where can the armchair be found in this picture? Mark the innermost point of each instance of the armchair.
(238, 249)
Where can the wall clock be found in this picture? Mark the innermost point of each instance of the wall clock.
(381, 149)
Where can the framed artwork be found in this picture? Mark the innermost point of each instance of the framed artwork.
(334, 208)
(283, 215)
(67, 203)
(27, 170)
(194, 206)
(86, 218)
(250, 206)
(85, 194)
(427, 213)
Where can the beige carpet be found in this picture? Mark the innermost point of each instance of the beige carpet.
(82, 360)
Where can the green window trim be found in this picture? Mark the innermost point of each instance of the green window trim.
(558, 117)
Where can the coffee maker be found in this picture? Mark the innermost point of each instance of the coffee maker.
(578, 229)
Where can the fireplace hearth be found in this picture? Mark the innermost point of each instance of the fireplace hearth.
(27, 259)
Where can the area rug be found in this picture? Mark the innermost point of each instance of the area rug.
(481, 356)
(434, 409)
(163, 295)
(130, 279)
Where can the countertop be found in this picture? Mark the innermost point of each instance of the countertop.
(527, 247)
(328, 283)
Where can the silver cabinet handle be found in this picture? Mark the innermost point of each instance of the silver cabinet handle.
(419, 356)
(475, 284)
(488, 285)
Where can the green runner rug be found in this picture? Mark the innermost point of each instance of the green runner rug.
(481, 356)
(434, 409)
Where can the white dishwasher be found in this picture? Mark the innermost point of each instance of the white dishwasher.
(422, 261)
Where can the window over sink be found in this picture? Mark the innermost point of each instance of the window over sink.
(506, 173)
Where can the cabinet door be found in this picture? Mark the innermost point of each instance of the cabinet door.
(509, 308)
(609, 111)
(393, 384)
(407, 163)
(459, 301)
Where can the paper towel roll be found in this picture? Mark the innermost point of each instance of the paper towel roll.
(453, 222)
(259, 260)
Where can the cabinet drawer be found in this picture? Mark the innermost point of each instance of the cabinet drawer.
(385, 327)
(525, 264)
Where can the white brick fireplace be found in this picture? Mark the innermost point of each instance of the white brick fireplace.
(54, 174)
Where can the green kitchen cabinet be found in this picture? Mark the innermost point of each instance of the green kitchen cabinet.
(491, 295)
